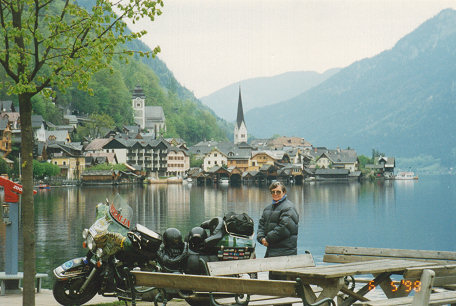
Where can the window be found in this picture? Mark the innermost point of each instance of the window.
(215, 154)
(215, 162)
(208, 162)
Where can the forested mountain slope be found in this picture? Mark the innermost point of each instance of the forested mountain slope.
(402, 101)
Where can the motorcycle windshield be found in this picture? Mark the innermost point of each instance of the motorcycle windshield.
(121, 212)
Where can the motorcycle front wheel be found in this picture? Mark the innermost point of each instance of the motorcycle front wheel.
(67, 292)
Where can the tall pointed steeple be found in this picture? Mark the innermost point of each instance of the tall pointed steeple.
(240, 111)
(240, 129)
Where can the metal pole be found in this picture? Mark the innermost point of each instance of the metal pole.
(12, 238)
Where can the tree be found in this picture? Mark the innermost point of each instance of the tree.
(55, 43)
(44, 169)
(96, 126)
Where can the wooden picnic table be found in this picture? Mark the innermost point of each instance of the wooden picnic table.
(331, 278)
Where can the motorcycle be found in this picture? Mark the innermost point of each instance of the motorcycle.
(113, 251)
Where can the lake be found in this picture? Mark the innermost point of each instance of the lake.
(390, 214)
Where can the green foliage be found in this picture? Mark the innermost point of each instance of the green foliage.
(363, 161)
(120, 167)
(43, 169)
(195, 162)
(96, 126)
(4, 168)
(46, 108)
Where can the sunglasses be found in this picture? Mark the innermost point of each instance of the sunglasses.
(276, 191)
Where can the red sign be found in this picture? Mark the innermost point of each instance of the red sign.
(12, 190)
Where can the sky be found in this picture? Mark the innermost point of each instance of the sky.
(210, 44)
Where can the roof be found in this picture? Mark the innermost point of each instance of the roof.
(154, 113)
(316, 152)
(132, 128)
(389, 161)
(341, 156)
(110, 158)
(37, 121)
(71, 118)
(138, 92)
(3, 123)
(176, 149)
(216, 168)
(68, 127)
(284, 141)
(6, 106)
(96, 172)
(59, 135)
(332, 171)
(240, 111)
(12, 116)
(275, 154)
(97, 144)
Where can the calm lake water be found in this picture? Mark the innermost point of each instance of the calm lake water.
(391, 214)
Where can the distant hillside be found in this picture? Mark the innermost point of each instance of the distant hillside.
(263, 91)
(402, 101)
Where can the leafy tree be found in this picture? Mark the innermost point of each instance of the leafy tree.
(363, 161)
(43, 169)
(96, 126)
(57, 43)
(195, 162)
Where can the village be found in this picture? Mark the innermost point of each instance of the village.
(150, 158)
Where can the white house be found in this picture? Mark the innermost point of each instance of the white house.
(214, 158)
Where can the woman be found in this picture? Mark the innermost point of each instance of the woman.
(278, 226)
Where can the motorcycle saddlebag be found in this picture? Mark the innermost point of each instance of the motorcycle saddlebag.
(239, 224)
(150, 240)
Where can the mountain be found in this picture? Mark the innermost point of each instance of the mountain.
(402, 101)
(186, 116)
(263, 91)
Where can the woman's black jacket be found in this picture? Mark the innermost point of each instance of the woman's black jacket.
(279, 225)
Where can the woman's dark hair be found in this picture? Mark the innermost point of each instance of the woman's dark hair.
(278, 184)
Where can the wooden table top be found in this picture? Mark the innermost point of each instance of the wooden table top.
(355, 268)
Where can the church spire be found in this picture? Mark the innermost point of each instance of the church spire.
(240, 130)
(240, 111)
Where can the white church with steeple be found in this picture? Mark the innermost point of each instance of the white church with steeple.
(240, 129)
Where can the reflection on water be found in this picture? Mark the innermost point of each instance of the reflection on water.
(393, 214)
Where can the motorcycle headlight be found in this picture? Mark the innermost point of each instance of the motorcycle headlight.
(99, 253)
(85, 233)
(91, 243)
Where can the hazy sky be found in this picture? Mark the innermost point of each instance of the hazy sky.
(209, 44)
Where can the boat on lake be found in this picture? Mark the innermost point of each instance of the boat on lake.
(224, 181)
(406, 175)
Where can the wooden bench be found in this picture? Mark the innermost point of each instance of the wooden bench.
(344, 254)
(422, 298)
(220, 280)
(442, 263)
(19, 276)
(446, 260)
(225, 268)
